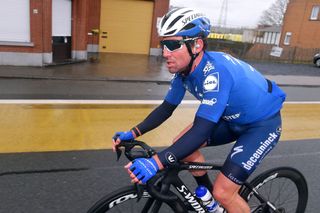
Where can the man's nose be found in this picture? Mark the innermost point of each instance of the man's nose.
(165, 52)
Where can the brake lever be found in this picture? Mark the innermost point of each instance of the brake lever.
(127, 149)
(139, 190)
(119, 152)
(129, 145)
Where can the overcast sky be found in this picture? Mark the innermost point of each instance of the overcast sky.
(241, 13)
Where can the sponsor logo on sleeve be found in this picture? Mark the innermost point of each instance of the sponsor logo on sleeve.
(231, 117)
(211, 83)
(210, 102)
(171, 158)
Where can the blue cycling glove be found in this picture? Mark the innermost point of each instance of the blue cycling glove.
(124, 136)
(144, 168)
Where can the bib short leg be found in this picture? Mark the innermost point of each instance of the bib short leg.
(253, 142)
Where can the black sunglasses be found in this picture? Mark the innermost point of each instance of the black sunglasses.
(173, 45)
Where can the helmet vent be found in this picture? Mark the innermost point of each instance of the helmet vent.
(169, 33)
(167, 16)
(189, 26)
(174, 21)
(203, 22)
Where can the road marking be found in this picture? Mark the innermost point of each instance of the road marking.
(147, 102)
(63, 125)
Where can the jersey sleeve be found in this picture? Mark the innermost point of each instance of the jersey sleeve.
(216, 90)
(176, 91)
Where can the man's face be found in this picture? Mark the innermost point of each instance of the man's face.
(176, 54)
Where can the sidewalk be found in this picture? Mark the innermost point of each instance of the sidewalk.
(142, 68)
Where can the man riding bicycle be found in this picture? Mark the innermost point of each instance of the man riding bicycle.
(237, 104)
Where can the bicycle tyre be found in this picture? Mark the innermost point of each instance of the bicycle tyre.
(125, 200)
(274, 185)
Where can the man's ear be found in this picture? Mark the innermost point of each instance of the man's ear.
(198, 46)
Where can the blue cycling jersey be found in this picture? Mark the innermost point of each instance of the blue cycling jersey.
(228, 88)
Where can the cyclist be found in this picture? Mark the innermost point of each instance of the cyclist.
(237, 104)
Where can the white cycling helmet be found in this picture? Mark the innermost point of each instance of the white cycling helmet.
(184, 22)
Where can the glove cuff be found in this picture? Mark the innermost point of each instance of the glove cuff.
(158, 162)
(136, 132)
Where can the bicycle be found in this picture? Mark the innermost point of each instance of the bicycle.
(278, 190)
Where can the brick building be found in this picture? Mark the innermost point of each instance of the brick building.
(41, 32)
(300, 37)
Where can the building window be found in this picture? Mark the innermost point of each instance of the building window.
(315, 13)
(287, 38)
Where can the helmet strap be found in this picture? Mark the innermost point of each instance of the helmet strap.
(193, 56)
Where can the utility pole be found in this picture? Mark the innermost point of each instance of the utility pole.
(222, 22)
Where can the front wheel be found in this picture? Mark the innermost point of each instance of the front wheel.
(318, 62)
(285, 188)
(126, 200)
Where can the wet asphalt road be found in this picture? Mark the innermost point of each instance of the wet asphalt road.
(71, 181)
(267, 68)
(63, 182)
(111, 90)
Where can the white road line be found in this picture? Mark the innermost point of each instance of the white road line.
(294, 155)
(148, 102)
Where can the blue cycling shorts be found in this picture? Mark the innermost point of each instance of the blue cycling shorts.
(253, 142)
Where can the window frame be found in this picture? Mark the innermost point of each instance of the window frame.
(315, 13)
(287, 38)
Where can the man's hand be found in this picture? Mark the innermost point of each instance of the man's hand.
(121, 136)
(142, 169)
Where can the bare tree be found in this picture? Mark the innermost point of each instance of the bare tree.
(274, 14)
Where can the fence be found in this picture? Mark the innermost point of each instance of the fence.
(261, 52)
(237, 49)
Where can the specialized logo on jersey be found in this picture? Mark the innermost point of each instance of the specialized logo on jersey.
(211, 83)
(209, 66)
(236, 150)
(235, 61)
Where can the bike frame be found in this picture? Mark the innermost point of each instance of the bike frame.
(170, 177)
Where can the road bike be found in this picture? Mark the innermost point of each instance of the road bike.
(278, 190)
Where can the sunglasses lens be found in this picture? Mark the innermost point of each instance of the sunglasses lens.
(171, 44)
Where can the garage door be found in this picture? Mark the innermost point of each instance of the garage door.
(125, 26)
(61, 30)
(15, 20)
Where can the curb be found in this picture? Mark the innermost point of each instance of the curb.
(66, 78)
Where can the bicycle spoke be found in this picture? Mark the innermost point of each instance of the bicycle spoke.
(285, 188)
